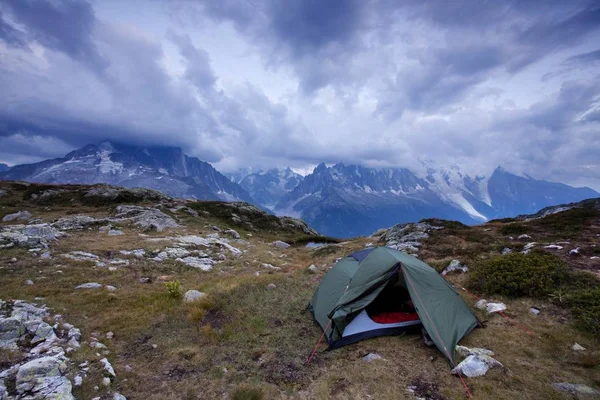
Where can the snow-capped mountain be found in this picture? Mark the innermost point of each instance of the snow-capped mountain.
(350, 200)
(4, 167)
(267, 187)
(166, 169)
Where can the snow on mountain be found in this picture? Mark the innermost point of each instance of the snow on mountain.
(4, 167)
(266, 187)
(350, 200)
(166, 169)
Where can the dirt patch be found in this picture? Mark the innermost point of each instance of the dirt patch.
(339, 387)
(422, 388)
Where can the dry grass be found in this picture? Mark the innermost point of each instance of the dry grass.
(246, 342)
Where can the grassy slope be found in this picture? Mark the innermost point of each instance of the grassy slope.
(262, 337)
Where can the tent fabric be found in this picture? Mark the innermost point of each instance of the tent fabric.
(362, 323)
(355, 282)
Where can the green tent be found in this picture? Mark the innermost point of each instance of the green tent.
(387, 282)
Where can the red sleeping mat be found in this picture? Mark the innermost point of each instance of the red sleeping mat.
(394, 317)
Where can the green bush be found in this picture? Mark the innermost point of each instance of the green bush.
(586, 308)
(535, 274)
(174, 289)
(513, 229)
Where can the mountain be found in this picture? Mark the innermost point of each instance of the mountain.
(4, 167)
(166, 169)
(351, 200)
(267, 187)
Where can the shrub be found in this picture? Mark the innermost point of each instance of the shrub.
(535, 274)
(513, 229)
(247, 393)
(586, 308)
(174, 289)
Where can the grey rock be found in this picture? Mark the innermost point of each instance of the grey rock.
(232, 233)
(534, 310)
(138, 253)
(30, 236)
(115, 232)
(271, 286)
(11, 329)
(476, 365)
(576, 389)
(18, 216)
(269, 266)
(74, 222)
(108, 368)
(281, 245)
(119, 396)
(523, 237)
(171, 252)
(110, 288)
(193, 295)
(204, 264)
(578, 347)
(89, 285)
(313, 269)
(149, 219)
(29, 282)
(43, 378)
(81, 256)
(506, 250)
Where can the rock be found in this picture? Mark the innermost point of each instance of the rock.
(313, 269)
(46, 255)
(110, 288)
(28, 236)
(271, 286)
(43, 378)
(18, 216)
(578, 347)
(490, 307)
(78, 380)
(75, 222)
(40, 330)
(523, 237)
(89, 285)
(232, 233)
(372, 356)
(576, 389)
(553, 247)
(281, 245)
(574, 252)
(119, 396)
(106, 381)
(506, 250)
(529, 246)
(149, 219)
(145, 279)
(204, 264)
(464, 351)
(110, 335)
(476, 365)
(115, 232)
(215, 228)
(108, 369)
(29, 282)
(534, 310)
(269, 266)
(171, 252)
(193, 295)
(81, 256)
(455, 265)
(139, 253)
(11, 329)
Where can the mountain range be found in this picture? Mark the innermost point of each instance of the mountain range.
(339, 200)
(4, 167)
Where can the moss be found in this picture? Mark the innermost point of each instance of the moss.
(536, 274)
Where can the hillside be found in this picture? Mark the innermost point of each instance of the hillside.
(249, 336)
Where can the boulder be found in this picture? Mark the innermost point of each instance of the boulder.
(576, 389)
(372, 356)
(281, 245)
(454, 266)
(74, 222)
(232, 233)
(204, 264)
(476, 365)
(193, 295)
(115, 232)
(149, 219)
(11, 329)
(18, 216)
(490, 307)
(30, 236)
(43, 378)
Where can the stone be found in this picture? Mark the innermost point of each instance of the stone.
(577, 347)
(490, 307)
(18, 216)
(110, 335)
(574, 252)
(454, 266)
(110, 288)
(11, 329)
(204, 264)
(269, 266)
(281, 245)
(74, 222)
(139, 253)
(506, 250)
(215, 228)
(108, 369)
(145, 279)
(29, 282)
(28, 236)
(271, 286)
(171, 252)
(529, 246)
(553, 247)
(576, 389)
(43, 378)
(372, 356)
(78, 380)
(534, 310)
(523, 237)
(106, 381)
(149, 219)
(313, 269)
(119, 396)
(193, 295)
(115, 232)
(81, 256)
(476, 365)
(89, 285)
(40, 330)
(233, 233)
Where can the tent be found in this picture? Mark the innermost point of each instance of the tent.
(381, 291)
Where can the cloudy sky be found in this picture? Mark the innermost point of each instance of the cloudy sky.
(267, 83)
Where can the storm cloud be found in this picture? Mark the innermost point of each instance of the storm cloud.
(268, 83)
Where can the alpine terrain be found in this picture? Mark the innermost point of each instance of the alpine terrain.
(166, 169)
(268, 187)
(351, 200)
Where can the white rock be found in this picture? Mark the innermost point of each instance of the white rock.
(108, 369)
(553, 247)
(110, 335)
(506, 250)
(193, 295)
(119, 396)
(455, 265)
(578, 347)
(271, 286)
(476, 365)
(529, 246)
(280, 244)
(106, 381)
(44, 378)
(576, 389)
(269, 266)
(232, 233)
(372, 356)
(21, 216)
(204, 264)
(110, 288)
(574, 252)
(89, 285)
(78, 380)
(115, 232)
(29, 282)
(313, 269)
(523, 237)
(534, 310)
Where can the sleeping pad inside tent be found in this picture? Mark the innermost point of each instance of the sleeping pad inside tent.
(381, 291)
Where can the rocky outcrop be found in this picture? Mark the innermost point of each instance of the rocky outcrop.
(37, 235)
(407, 237)
(149, 219)
(18, 216)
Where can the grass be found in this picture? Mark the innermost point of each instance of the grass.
(244, 341)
